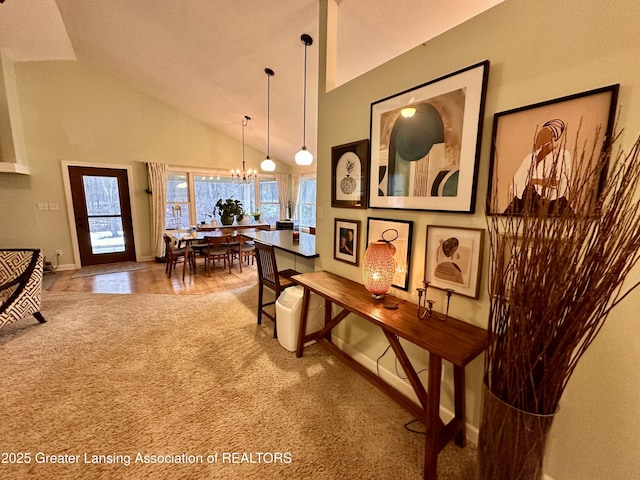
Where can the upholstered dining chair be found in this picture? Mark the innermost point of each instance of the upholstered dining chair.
(174, 254)
(21, 272)
(269, 276)
(216, 249)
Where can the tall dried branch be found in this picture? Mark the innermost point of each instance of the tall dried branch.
(557, 272)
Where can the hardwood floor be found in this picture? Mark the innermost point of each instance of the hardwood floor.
(154, 280)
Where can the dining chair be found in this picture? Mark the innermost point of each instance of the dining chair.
(216, 248)
(269, 276)
(173, 254)
(243, 250)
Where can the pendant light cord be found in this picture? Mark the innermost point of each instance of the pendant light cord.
(268, 112)
(304, 106)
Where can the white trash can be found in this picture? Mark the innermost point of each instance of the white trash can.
(288, 311)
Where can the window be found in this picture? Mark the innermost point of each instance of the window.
(177, 212)
(269, 200)
(191, 198)
(306, 204)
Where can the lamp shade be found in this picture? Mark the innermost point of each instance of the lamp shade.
(268, 165)
(378, 268)
(304, 157)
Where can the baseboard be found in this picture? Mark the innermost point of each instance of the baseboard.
(65, 266)
(400, 384)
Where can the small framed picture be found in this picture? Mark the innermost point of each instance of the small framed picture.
(398, 233)
(453, 259)
(350, 174)
(346, 245)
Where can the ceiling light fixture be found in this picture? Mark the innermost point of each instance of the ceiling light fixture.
(304, 156)
(267, 164)
(243, 176)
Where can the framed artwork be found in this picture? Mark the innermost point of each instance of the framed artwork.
(537, 150)
(346, 244)
(425, 144)
(350, 174)
(453, 259)
(399, 233)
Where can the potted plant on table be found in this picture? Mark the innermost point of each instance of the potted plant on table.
(256, 216)
(228, 210)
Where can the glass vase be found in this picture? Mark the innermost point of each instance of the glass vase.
(512, 443)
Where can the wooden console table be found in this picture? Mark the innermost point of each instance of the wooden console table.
(452, 340)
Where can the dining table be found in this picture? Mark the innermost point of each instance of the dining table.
(188, 238)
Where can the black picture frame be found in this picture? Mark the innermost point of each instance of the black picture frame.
(350, 174)
(382, 228)
(425, 144)
(573, 121)
(346, 243)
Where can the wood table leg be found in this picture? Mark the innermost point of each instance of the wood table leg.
(303, 321)
(460, 404)
(432, 419)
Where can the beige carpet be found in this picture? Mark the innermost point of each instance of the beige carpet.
(158, 375)
(92, 270)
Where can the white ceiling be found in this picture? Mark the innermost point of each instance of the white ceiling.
(207, 57)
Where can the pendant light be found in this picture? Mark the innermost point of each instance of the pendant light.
(243, 176)
(304, 156)
(267, 164)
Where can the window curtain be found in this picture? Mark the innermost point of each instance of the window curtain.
(283, 193)
(295, 187)
(157, 177)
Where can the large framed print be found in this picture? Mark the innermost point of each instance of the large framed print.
(453, 259)
(350, 174)
(399, 234)
(425, 144)
(346, 243)
(539, 151)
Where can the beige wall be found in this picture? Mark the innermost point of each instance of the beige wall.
(538, 51)
(71, 113)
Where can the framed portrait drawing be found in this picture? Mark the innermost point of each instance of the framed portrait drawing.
(399, 233)
(425, 144)
(453, 259)
(350, 174)
(540, 152)
(346, 243)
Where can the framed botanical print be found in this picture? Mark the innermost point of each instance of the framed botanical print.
(542, 152)
(346, 243)
(425, 144)
(399, 234)
(453, 259)
(350, 174)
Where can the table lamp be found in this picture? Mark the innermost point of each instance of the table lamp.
(378, 268)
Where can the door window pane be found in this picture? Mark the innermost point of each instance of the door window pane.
(106, 235)
(101, 194)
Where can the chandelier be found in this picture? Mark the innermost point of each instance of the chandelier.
(243, 176)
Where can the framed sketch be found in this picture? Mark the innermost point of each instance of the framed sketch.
(425, 144)
(399, 233)
(350, 174)
(453, 259)
(346, 244)
(536, 153)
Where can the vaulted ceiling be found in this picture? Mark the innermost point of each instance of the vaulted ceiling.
(207, 57)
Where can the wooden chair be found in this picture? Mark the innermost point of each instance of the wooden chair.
(173, 255)
(243, 250)
(269, 276)
(216, 249)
